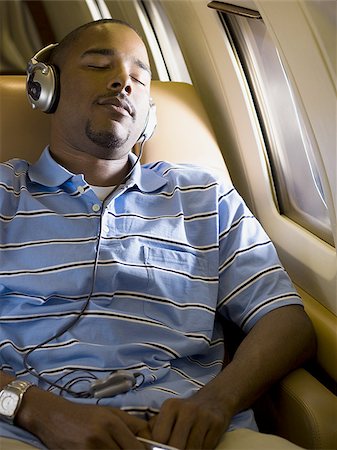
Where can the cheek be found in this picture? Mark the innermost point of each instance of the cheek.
(73, 89)
(74, 101)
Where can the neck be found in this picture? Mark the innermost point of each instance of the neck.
(97, 172)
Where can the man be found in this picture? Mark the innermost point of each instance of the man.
(106, 271)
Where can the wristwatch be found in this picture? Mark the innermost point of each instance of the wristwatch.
(11, 398)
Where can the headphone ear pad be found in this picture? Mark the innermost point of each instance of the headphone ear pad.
(150, 125)
(43, 87)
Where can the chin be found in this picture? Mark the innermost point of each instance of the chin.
(106, 139)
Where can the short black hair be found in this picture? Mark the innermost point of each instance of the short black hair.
(71, 37)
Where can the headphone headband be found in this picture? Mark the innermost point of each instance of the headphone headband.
(39, 57)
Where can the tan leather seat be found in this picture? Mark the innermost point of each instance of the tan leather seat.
(183, 133)
(301, 408)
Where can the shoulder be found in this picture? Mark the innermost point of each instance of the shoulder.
(13, 174)
(13, 168)
(189, 175)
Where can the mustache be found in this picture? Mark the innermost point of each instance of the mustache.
(118, 100)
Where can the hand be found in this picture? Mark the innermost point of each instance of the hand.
(189, 423)
(62, 424)
(94, 427)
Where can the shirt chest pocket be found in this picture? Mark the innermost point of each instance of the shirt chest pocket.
(180, 290)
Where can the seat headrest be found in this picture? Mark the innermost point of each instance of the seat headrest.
(183, 133)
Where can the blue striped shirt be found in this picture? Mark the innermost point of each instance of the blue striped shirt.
(174, 244)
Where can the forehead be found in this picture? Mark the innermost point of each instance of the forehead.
(120, 38)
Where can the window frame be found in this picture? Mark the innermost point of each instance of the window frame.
(285, 202)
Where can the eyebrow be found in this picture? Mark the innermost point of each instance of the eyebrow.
(112, 52)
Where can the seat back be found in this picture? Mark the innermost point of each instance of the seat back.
(23, 132)
(183, 133)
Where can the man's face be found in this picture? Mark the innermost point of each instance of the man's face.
(105, 90)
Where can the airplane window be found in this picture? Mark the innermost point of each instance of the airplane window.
(28, 25)
(174, 60)
(290, 143)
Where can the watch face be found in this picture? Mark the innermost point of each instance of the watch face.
(8, 403)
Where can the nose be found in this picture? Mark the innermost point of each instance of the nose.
(119, 81)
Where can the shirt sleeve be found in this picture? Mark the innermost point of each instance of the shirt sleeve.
(252, 281)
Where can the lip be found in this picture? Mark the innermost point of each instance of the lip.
(116, 104)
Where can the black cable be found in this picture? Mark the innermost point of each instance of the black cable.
(73, 322)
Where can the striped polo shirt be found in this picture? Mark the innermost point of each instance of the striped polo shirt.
(173, 249)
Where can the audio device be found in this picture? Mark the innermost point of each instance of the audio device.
(151, 445)
(43, 81)
(117, 382)
(43, 89)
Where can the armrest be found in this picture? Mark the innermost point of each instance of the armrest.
(305, 411)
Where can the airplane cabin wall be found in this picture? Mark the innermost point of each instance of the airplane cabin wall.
(214, 71)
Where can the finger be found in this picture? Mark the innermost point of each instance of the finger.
(163, 423)
(134, 423)
(145, 433)
(112, 445)
(197, 436)
(213, 436)
(93, 442)
(124, 440)
(182, 429)
(123, 436)
(195, 430)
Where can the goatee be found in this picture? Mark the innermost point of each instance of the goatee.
(105, 139)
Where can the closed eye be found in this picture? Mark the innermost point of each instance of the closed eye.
(93, 66)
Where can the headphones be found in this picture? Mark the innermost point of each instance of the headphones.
(43, 89)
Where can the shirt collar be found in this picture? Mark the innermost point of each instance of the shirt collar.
(47, 172)
(145, 178)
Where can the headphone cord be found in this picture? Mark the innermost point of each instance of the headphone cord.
(72, 323)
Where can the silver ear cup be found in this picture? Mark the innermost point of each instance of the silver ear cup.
(41, 87)
(42, 81)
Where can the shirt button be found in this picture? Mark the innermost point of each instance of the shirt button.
(80, 189)
(106, 229)
(96, 207)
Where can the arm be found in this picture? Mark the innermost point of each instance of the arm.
(279, 342)
(62, 424)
